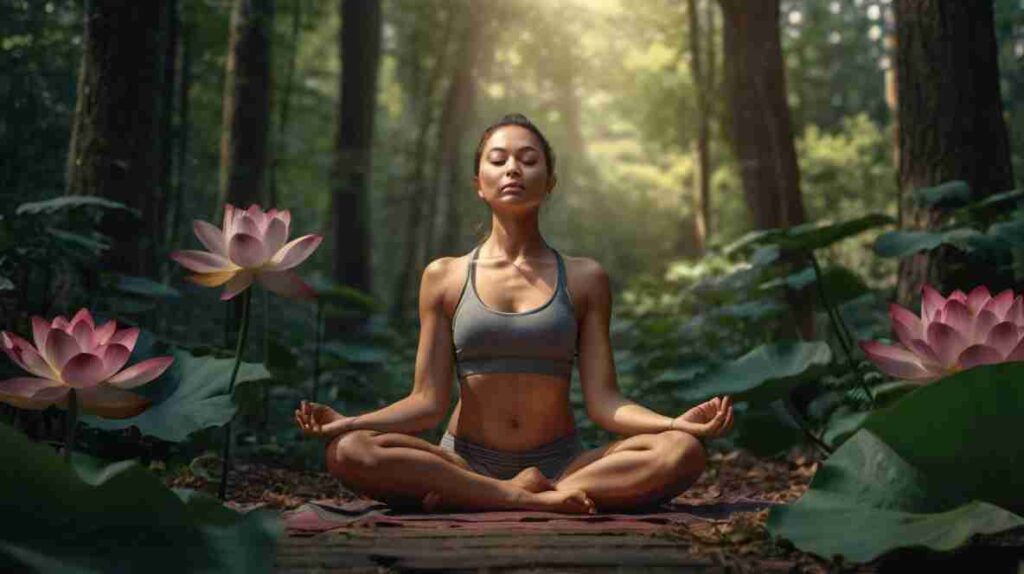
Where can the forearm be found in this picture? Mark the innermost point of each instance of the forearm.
(627, 418)
(409, 415)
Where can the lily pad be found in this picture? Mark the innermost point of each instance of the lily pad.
(766, 373)
(117, 518)
(198, 398)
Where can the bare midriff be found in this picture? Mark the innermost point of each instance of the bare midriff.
(512, 411)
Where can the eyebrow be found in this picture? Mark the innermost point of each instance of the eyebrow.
(524, 148)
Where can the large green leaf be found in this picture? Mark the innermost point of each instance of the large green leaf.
(70, 202)
(196, 398)
(946, 195)
(903, 243)
(767, 430)
(938, 465)
(866, 500)
(117, 518)
(964, 431)
(145, 287)
(809, 236)
(766, 373)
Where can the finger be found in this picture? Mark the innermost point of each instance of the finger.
(729, 422)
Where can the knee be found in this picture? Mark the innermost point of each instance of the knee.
(351, 452)
(683, 456)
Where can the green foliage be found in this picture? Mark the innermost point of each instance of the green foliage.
(190, 397)
(118, 517)
(932, 469)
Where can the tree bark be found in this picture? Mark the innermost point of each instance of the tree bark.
(246, 115)
(950, 126)
(761, 130)
(359, 44)
(701, 64)
(117, 135)
(281, 143)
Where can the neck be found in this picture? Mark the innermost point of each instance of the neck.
(514, 237)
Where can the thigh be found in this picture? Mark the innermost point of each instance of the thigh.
(585, 458)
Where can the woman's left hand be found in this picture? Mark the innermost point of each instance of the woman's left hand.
(711, 419)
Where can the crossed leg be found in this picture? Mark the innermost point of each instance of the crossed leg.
(404, 471)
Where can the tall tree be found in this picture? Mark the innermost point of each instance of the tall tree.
(359, 44)
(702, 70)
(950, 124)
(761, 130)
(114, 153)
(246, 105)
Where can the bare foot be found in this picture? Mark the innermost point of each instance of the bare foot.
(567, 501)
(532, 479)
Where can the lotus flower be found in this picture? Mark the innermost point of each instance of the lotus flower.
(251, 246)
(954, 333)
(79, 355)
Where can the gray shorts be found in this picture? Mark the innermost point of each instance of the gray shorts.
(551, 458)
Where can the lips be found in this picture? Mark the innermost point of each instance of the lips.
(512, 187)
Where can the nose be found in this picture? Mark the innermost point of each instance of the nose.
(512, 166)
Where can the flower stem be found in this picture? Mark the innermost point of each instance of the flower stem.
(70, 423)
(316, 354)
(838, 326)
(805, 427)
(243, 331)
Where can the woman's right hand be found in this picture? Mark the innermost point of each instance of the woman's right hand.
(319, 421)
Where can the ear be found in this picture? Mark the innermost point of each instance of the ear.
(552, 181)
(476, 185)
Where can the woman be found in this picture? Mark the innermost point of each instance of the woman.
(516, 314)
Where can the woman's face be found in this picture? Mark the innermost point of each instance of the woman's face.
(513, 170)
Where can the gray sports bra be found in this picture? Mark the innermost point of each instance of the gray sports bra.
(541, 340)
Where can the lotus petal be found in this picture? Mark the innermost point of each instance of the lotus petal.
(83, 334)
(1017, 354)
(1015, 314)
(247, 251)
(60, 322)
(141, 373)
(127, 337)
(25, 355)
(110, 402)
(977, 298)
(104, 332)
(236, 285)
(202, 261)
(931, 303)
(213, 279)
(228, 224)
(957, 295)
(925, 354)
(979, 355)
(1003, 338)
(21, 392)
(114, 357)
(60, 347)
(277, 234)
(946, 342)
(983, 323)
(1000, 304)
(295, 252)
(211, 237)
(905, 324)
(82, 371)
(286, 283)
(247, 225)
(83, 315)
(895, 361)
(958, 316)
(40, 328)
(285, 215)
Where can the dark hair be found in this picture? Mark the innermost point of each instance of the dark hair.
(514, 120)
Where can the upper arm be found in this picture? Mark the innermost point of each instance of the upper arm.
(432, 380)
(596, 362)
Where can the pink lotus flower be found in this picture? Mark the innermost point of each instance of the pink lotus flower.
(952, 334)
(250, 247)
(79, 355)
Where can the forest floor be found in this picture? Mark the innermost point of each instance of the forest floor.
(739, 544)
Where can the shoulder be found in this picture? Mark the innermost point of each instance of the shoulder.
(442, 281)
(588, 281)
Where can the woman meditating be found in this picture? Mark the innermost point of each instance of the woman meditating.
(517, 315)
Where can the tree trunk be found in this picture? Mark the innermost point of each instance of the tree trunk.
(246, 116)
(761, 130)
(117, 135)
(951, 127)
(281, 143)
(360, 52)
(701, 64)
(459, 111)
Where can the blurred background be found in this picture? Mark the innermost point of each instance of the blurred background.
(680, 127)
